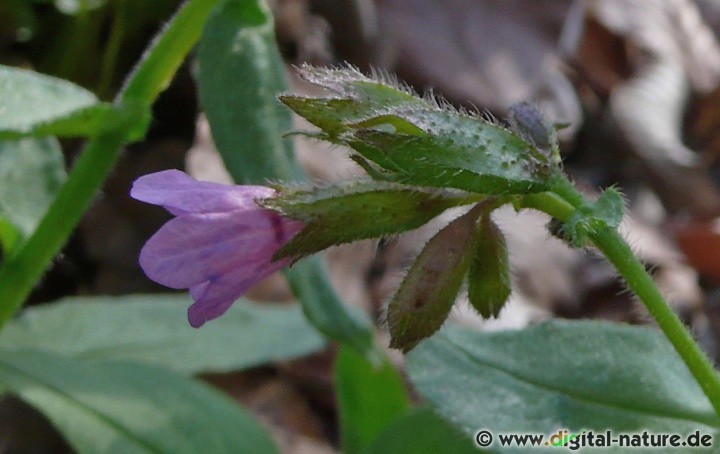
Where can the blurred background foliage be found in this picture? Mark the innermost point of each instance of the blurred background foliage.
(93, 43)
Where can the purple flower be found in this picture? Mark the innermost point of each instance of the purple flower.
(219, 244)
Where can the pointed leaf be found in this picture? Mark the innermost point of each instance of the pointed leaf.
(489, 273)
(379, 90)
(370, 397)
(568, 375)
(330, 115)
(354, 211)
(360, 99)
(422, 141)
(30, 99)
(37, 105)
(333, 117)
(126, 407)
(153, 329)
(428, 291)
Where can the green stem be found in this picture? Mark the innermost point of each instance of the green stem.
(617, 251)
(19, 274)
(549, 203)
(565, 189)
(158, 65)
(561, 204)
(112, 49)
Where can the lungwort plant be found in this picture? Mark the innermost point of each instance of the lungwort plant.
(111, 374)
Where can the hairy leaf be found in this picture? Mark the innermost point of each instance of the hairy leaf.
(428, 291)
(34, 104)
(358, 210)
(421, 141)
(489, 273)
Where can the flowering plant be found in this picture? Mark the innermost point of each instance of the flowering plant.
(113, 373)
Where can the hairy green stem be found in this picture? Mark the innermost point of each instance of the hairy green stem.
(167, 52)
(561, 204)
(19, 274)
(617, 251)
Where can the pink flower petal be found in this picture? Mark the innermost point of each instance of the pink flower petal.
(181, 194)
(213, 298)
(220, 244)
(196, 247)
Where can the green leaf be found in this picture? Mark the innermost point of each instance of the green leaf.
(31, 173)
(356, 210)
(331, 115)
(154, 329)
(126, 407)
(489, 274)
(606, 211)
(133, 117)
(240, 76)
(428, 291)
(421, 141)
(361, 100)
(369, 397)
(31, 100)
(465, 153)
(568, 375)
(380, 90)
(37, 105)
(421, 431)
